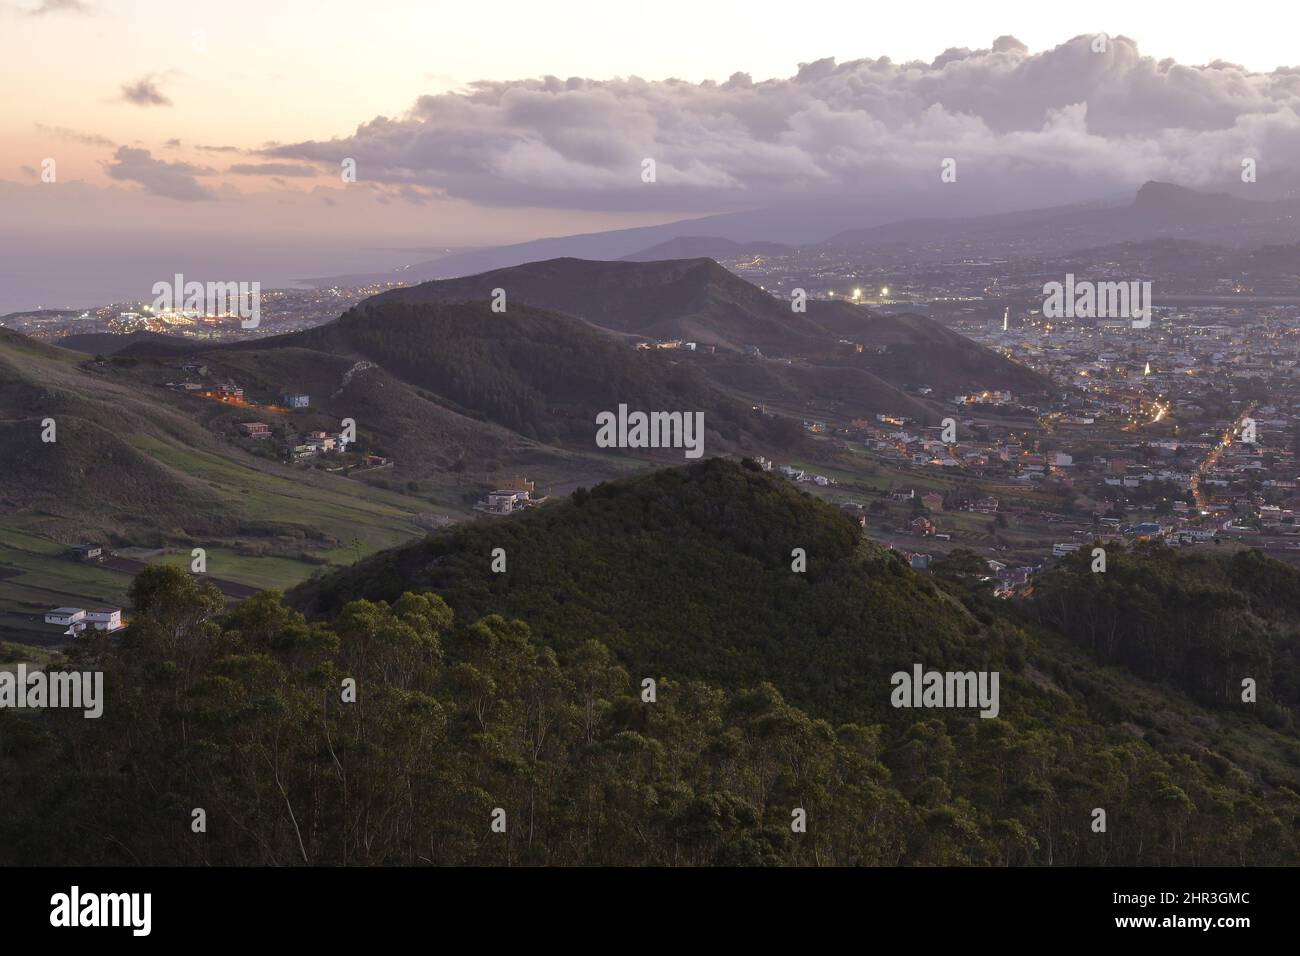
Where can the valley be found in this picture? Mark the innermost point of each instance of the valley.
(288, 455)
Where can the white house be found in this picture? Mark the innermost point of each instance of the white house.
(72, 619)
(105, 618)
(65, 615)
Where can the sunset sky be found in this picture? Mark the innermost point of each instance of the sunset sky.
(493, 122)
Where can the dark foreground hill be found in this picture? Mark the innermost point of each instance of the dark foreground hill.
(398, 725)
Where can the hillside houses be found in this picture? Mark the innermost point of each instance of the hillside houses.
(317, 443)
(229, 392)
(799, 475)
(74, 620)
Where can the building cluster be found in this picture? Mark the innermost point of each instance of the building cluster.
(317, 443)
(74, 620)
(794, 473)
(674, 344)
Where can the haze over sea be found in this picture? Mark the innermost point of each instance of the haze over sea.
(58, 273)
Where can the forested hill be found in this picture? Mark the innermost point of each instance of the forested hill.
(1199, 621)
(687, 573)
(771, 695)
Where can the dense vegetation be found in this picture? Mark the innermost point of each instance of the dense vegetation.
(1194, 621)
(772, 695)
(688, 572)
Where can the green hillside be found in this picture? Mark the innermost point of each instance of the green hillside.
(152, 473)
(537, 373)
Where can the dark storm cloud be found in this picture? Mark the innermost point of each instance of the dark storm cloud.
(1068, 119)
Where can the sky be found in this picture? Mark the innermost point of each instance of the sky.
(474, 124)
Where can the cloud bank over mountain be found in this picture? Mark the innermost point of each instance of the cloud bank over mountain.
(1066, 123)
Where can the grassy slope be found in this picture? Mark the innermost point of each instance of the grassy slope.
(134, 465)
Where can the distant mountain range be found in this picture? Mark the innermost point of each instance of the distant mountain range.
(707, 247)
(1191, 266)
(1157, 210)
(792, 223)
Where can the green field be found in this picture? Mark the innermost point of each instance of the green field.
(291, 525)
(345, 510)
(45, 580)
(265, 572)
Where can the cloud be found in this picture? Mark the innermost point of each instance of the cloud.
(86, 139)
(61, 6)
(158, 177)
(1065, 123)
(144, 92)
(271, 169)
